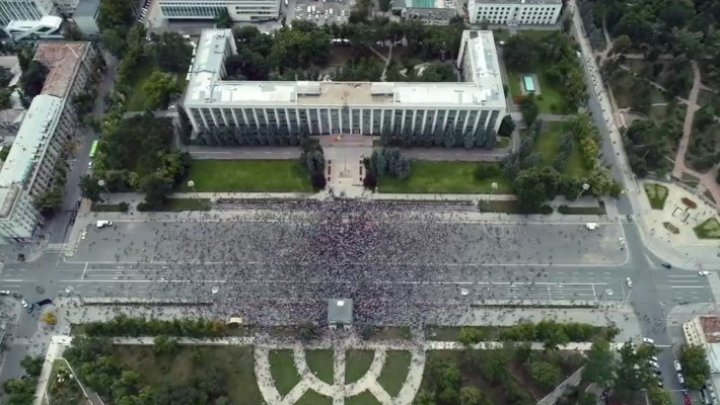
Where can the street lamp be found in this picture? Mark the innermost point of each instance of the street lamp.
(494, 187)
(585, 187)
(215, 289)
(191, 185)
(103, 184)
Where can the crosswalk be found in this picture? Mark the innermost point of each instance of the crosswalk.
(714, 281)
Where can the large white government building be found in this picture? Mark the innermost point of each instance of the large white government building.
(239, 10)
(326, 107)
(515, 12)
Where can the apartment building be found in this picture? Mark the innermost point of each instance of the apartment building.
(477, 104)
(49, 125)
(514, 12)
(239, 10)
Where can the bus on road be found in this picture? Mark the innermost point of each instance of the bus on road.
(93, 149)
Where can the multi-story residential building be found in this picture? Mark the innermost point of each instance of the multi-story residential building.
(239, 10)
(514, 12)
(49, 125)
(29, 168)
(47, 27)
(25, 10)
(477, 104)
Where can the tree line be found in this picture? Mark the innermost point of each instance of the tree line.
(301, 51)
(535, 182)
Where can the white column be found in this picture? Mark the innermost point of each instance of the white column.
(287, 119)
(392, 120)
(204, 120)
(212, 115)
(222, 114)
(414, 124)
(234, 115)
(244, 114)
(477, 120)
(320, 123)
(402, 123)
(330, 123)
(308, 116)
(267, 120)
(434, 121)
(191, 116)
(257, 119)
(487, 120)
(467, 118)
(372, 120)
(424, 120)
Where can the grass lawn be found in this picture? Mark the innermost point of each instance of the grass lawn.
(282, 368)
(395, 371)
(179, 204)
(235, 363)
(357, 363)
(710, 229)
(548, 145)
(67, 390)
(509, 207)
(657, 195)
(136, 99)
(444, 177)
(109, 207)
(364, 398)
(247, 175)
(503, 142)
(390, 333)
(313, 398)
(320, 362)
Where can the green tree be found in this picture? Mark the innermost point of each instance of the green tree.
(223, 20)
(5, 98)
(164, 344)
(659, 396)
(32, 365)
(530, 110)
(470, 395)
(600, 366)
(33, 79)
(695, 366)
(438, 72)
(158, 89)
(507, 126)
(156, 189)
(172, 52)
(49, 201)
(545, 373)
(622, 44)
(114, 41)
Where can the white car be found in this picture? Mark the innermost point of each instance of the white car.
(648, 341)
(24, 303)
(677, 366)
(4, 292)
(628, 282)
(703, 273)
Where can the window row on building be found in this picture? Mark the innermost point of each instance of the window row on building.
(519, 13)
(249, 10)
(322, 121)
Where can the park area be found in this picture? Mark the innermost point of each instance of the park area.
(247, 176)
(445, 177)
(550, 143)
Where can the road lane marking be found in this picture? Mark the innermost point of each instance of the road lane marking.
(84, 270)
(694, 287)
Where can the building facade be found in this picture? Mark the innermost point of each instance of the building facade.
(40, 146)
(239, 10)
(477, 104)
(514, 12)
(25, 10)
(47, 27)
(86, 15)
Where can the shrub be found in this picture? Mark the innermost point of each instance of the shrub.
(689, 203)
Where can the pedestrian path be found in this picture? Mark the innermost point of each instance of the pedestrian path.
(714, 281)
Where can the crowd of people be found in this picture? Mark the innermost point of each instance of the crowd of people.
(400, 263)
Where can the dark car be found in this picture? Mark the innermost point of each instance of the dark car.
(46, 301)
(666, 265)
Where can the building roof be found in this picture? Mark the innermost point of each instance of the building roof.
(206, 87)
(340, 311)
(63, 60)
(87, 8)
(711, 328)
(28, 149)
(491, 2)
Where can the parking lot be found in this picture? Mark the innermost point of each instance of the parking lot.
(321, 12)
